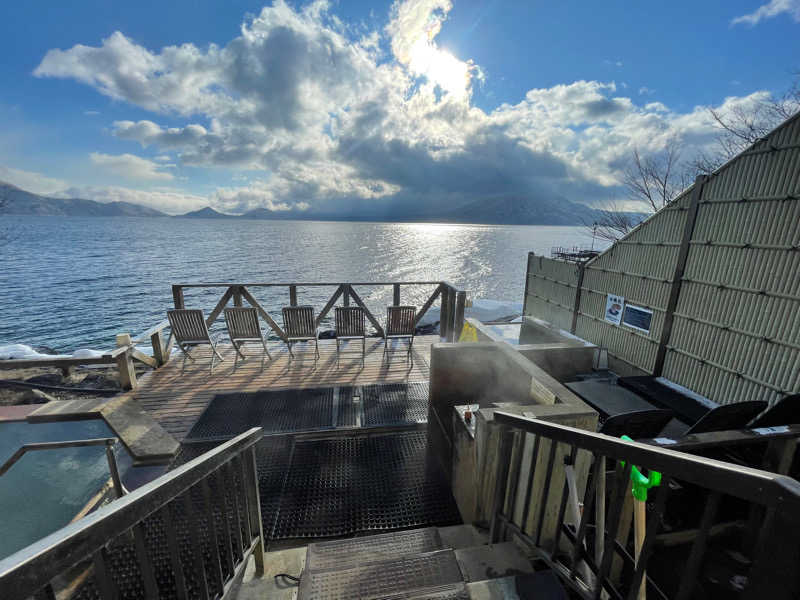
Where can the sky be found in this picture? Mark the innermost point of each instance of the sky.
(363, 106)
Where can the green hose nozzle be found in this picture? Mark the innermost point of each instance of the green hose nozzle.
(641, 483)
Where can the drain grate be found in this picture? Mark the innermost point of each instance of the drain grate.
(343, 486)
(342, 554)
(377, 580)
(278, 411)
(395, 404)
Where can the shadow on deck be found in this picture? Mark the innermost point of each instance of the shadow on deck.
(176, 400)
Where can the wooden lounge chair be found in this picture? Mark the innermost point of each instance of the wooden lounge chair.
(300, 326)
(190, 329)
(243, 327)
(400, 325)
(350, 326)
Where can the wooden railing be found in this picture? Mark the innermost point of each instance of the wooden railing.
(174, 524)
(452, 300)
(584, 534)
(124, 356)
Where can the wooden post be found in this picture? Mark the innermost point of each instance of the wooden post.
(292, 295)
(396, 294)
(527, 284)
(576, 307)
(237, 295)
(127, 372)
(157, 341)
(639, 528)
(677, 277)
(346, 294)
(177, 296)
(461, 301)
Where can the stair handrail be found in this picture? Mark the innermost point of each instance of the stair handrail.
(108, 442)
(774, 502)
(31, 570)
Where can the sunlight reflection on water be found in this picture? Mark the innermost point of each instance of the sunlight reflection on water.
(76, 282)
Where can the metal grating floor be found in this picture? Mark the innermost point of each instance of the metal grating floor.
(278, 411)
(343, 486)
(342, 554)
(349, 407)
(395, 404)
(378, 580)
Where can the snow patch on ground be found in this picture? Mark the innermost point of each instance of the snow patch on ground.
(23, 351)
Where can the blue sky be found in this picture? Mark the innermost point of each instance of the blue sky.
(351, 106)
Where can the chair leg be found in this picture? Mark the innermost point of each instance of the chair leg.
(363, 352)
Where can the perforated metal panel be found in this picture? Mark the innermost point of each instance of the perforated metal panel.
(379, 580)
(342, 554)
(349, 407)
(342, 486)
(395, 404)
(276, 411)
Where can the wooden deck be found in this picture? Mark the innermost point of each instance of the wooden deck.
(176, 400)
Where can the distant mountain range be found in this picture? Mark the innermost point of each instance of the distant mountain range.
(15, 201)
(494, 211)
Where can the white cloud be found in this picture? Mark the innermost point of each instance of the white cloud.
(772, 9)
(316, 116)
(646, 91)
(31, 181)
(131, 166)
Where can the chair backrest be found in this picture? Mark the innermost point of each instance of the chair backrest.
(350, 321)
(188, 325)
(401, 320)
(728, 416)
(637, 424)
(242, 322)
(785, 411)
(298, 321)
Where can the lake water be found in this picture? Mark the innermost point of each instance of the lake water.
(72, 283)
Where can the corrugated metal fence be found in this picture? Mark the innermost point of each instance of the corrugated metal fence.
(720, 270)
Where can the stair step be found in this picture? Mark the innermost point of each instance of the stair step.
(490, 562)
(542, 585)
(454, 591)
(351, 552)
(399, 575)
(462, 536)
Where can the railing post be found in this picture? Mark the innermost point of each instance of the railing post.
(444, 314)
(346, 294)
(451, 315)
(177, 296)
(112, 467)
(292, 295)
(237, 296)
(127, 371)
(396, 294)
(254, 504)
(461, 301)
(157, 341)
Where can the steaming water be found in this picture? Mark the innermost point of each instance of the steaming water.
(47, 488)
(75, 282)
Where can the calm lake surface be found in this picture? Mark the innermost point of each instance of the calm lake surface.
(71, 283)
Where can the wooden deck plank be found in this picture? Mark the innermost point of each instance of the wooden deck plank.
(176, 400)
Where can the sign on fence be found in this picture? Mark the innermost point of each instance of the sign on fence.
(614, 306)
